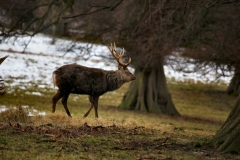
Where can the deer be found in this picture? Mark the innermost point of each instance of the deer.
(94, 82)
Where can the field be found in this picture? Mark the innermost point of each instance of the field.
(117, 134)
(28, 130)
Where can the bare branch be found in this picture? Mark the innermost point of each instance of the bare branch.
(96, 9)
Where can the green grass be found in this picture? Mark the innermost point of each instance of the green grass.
(208, 101)
(117, 133)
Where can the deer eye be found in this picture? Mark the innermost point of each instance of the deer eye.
(127, 73)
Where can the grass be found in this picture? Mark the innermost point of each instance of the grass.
(118, 133)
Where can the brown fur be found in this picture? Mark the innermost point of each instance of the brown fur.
(94, 82)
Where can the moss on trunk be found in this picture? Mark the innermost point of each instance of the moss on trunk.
(227, 139)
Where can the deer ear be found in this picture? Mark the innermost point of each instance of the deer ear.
(119, 67)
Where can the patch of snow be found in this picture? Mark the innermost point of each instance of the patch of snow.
(25, 106)
(30, 111)
(34, 93)
(42, 113)
(3, 108)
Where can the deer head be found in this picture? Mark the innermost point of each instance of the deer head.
(122, 67)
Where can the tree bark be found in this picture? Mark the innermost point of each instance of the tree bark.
(234, 86)
(149, 92)
(227, 139)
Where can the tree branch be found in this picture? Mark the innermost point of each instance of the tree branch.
(111, 8)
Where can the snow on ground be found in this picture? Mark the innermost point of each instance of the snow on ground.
(31, 111)
(204, 73)
(42, 57)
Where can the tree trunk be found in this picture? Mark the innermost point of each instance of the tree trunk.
(149, 92)
(227, 139)
(234, 86)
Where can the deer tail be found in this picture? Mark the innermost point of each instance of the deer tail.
(54, 79)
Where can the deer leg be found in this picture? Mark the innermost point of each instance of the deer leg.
(89, 110)
(95, 105)
(64, 102)
(55, 98)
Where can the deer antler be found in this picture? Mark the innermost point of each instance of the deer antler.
(118, 56)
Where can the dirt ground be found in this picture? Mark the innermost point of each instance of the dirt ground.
(103, 142)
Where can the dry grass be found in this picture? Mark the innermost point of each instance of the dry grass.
(118, 133)
(17, 114)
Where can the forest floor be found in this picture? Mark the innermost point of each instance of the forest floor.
(118, 133)
(102, 142)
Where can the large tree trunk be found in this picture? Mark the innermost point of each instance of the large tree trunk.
(234, 86)
(227, 139)
(149, 92)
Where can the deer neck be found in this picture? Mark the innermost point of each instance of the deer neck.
(114, 80)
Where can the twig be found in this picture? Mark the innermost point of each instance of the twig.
(111, 8)
(46, 140)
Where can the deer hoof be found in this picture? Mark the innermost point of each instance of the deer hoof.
(85, 115)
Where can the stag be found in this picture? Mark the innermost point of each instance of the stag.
(94, 82)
